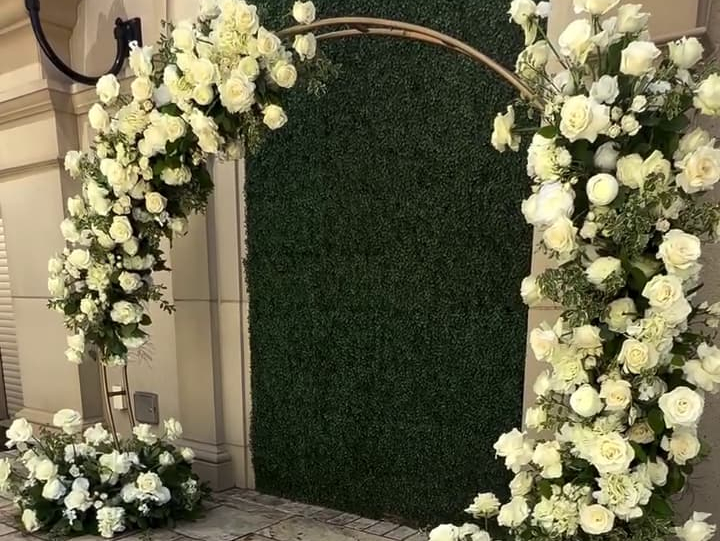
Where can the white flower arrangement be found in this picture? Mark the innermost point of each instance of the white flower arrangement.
(617, 183)
(212, 86)
(71, 482)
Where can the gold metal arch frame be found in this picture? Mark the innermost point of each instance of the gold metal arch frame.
(345, 27)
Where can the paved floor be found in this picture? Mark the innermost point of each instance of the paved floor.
(250, 516)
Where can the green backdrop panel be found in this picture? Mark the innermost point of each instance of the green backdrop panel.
(386, 251)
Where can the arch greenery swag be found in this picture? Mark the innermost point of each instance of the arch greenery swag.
(616, 178)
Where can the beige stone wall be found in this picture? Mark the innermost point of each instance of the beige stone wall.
(670, 19)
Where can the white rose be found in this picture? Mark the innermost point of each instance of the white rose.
(142, 89)
(203, 94)
(629, 171)
(602, 189)
(611, 453)
(605, 89)
(30, 521)
(484, 505)
(552, 202)
(617, 394)
(641, 433)
(502, 135)
(110, 521)
(45, 469)
(704, 372)
(681, 407)
(521, 484)
(173, 429)
(690, 142)
(585, 401)
(686, 52)
(129, 281)
(99, 118)
(657, 471)
(637, 356)
(183, 36)
(53, 489)
(606, 157)
(284, 74)
(179, 225)
(444, 532)
(515, 448)
(638, 58)
(154, 202)
(237, 94)
(679, 251)
(656, 166)
(696, 529)
(564, 82)
(620, 314)
(107, 88)
(274, 117)
(249, 67)
(246, 18)
(700, 170)
(543, 343)
(20, 431)
(630, 19)
(595, 7)
(131, 246)
(69, 420)
(141, 60)
(80, 258)
(576, 40)
(306, 46)
(535, 418)
(55, 265)
(683, 446)
(530, 291)
(561, 236)
(586, 337)
(601, 269)
(304, 12)
(56, 287)
(707, 96)
(663, 291)
(96, 435)
(144, 433)
(547, 456)
(583, 118)
(120, 229)
(542, 384)
(268, 44)
(125, 313)
(630, 125)
(176, 176)
(639, 104)
(72, 163)
(166, 459)
(187, 454)
(596, 519)
(513, 514)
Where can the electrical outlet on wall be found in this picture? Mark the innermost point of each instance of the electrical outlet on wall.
(146, 408)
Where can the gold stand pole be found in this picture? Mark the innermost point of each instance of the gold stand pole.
(109, 394)
(359, 26)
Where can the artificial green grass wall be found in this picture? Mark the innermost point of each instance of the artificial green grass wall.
(386, 250)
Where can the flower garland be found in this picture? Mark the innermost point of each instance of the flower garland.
(210, 87)
(618, 179)
(68, 483)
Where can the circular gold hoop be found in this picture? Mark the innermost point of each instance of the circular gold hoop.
(370, 26)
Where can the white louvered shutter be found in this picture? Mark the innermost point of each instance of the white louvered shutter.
(8, 341)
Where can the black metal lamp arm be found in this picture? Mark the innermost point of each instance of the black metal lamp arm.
(125, 33)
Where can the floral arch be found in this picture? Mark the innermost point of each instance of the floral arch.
(616, 177)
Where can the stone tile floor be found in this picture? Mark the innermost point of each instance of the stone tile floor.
(247, 515)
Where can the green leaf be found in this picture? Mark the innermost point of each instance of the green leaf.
(545, 488)
(146, 320)
(640, 453)
(676, 125)
(656, 420)
(548, 132)
(675, 480)
(660, 507)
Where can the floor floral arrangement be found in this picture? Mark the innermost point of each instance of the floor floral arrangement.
(618, 179)
(71, 482)
(209, 87)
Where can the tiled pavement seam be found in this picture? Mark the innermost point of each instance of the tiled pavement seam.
(248, 515)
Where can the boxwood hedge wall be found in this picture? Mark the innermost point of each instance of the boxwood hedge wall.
(386, 250)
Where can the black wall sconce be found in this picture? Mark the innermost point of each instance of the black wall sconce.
(125, 33)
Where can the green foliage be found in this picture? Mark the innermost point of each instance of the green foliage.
(385, 252)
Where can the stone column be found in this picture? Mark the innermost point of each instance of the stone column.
(37, 128)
